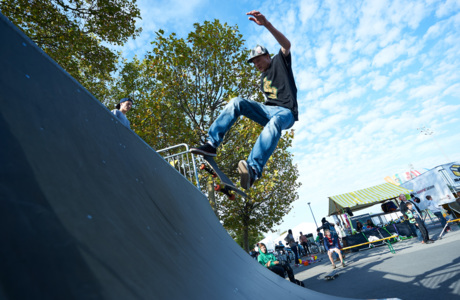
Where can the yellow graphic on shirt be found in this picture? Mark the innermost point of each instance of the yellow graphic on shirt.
(271, 91)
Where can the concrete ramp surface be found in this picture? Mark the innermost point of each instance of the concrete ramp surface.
(90, 211)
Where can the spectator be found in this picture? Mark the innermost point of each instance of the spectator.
(331, 244)
(403, 207)
(328, 225)
(359, 226)
(304, 242)
(289, 239)
(370, 224)
(340, 232)
(404, 202)
(414, 218)
(280, 248)
(254, 253)
(434, 207)
(319, 236)
(269, 261)
(122, 108)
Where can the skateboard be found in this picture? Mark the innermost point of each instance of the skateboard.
(218, 187)
(226, 184)
(332, 275)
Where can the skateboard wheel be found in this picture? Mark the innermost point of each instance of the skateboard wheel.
(202, 166)
(217, 187)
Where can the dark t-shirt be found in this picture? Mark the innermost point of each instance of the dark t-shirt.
(278, 85)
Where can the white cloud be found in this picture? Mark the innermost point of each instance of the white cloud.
(390, 37)
(359, 66)
(426, 91)
(371, 22)
(308, 8)
(341, 51)
(390, 53)
(398, 85)
(453, 90)
(447, 7)
(307, 80)
(379, 82)
(322, 54)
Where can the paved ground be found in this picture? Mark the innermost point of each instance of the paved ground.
(416, 271)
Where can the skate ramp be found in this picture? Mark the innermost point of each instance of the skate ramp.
(90, 211)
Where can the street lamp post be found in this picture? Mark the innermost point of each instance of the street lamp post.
(313, 215)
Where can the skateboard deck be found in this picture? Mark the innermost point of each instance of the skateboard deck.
(226, 182)
(332, 275)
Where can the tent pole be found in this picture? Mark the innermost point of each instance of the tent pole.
(337, 210)
(341, 219)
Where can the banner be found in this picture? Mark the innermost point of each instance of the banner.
(400, 178)
(452, 170)
(430, 183)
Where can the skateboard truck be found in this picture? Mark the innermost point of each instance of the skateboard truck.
(207, 169)
(225, 190)
(218, 188)
(226, 184)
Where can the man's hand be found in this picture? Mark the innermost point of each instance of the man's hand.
(257, 17)
(260, 19)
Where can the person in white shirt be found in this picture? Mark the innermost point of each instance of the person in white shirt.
(434, 207)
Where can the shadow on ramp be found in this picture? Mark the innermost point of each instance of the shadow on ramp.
(90, 211)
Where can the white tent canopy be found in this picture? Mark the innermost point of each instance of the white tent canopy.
(364, 198)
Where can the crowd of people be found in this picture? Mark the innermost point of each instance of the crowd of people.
(329, 238)
(327, 241)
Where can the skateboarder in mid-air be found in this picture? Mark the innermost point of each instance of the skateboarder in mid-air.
(278, 113)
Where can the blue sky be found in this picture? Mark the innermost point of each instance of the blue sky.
(369, 74)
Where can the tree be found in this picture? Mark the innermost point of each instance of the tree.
(183, 84)
(73, 32)
(255, 237)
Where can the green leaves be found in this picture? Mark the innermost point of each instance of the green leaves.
(73, 33)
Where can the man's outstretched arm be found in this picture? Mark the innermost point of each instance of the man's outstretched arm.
(260, 19)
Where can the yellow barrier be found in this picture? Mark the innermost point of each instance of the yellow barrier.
(367, 243)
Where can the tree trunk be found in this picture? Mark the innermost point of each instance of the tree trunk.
(245, 236)
(212, 196)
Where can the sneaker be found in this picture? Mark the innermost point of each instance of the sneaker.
(247, 174)
(333, 267)
(298, 282)
(205, 150)
(343, 264)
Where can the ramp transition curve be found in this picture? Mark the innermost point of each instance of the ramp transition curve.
(90, 211)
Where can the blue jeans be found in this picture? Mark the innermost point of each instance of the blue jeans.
(296, 254)
(415, 230)
(441, 218)
(273, 118)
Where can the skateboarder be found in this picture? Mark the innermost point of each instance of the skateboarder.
(278, 113)
(331, 244)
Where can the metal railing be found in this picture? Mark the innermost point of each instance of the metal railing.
(183, 161)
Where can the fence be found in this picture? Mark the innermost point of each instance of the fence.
(183, 161)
